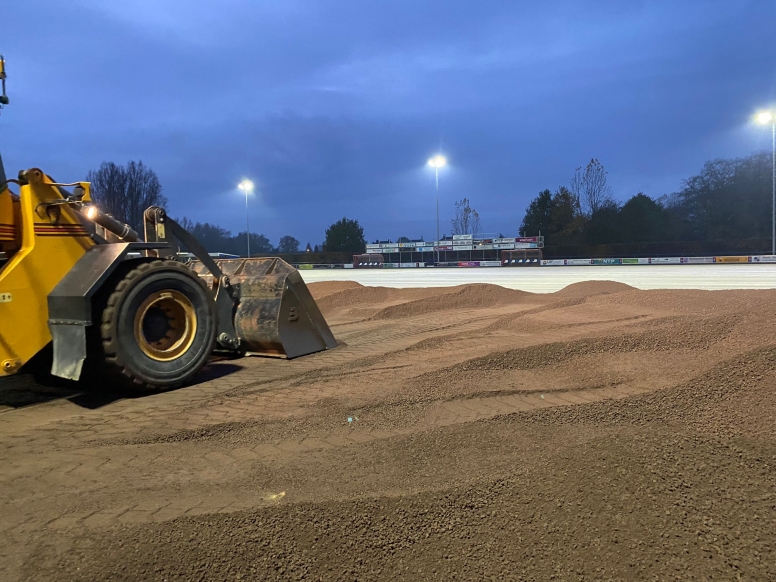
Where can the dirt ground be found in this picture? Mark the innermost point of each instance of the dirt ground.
(465, 433)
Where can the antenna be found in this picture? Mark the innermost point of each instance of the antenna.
(3, 96)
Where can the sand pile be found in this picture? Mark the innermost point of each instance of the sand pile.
(587, 288)
(461, 297)
(324, 288)
(468, 433)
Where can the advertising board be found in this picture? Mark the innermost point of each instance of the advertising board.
(576, 262)
(444, 248)
(463, 237)
(503, 240)
(605, 261)
(732, 259)
(392, 249)
(764, 259)
(535, 239)
(664, 260)
(373, 246)
(490, 263)
(503, 245)
(696, 260)
(463, 248)
(553, 262)
(424, 249)
(391, 265)
(407, 245)
(526, 245)
(483, 247)
(305, 267)
(468, 263)
(348, 265)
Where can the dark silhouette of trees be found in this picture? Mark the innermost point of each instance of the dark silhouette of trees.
(219, 240)
(466, 220)
(345, 235)
(288, 244)
(728, 199)
(554, 216)
(126, 191)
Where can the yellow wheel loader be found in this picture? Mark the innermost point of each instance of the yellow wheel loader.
(118, 307)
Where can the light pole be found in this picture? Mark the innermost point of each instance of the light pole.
(247, 186)
(764, 118)
(437, 162)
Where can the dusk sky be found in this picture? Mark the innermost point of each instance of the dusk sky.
(333, 107)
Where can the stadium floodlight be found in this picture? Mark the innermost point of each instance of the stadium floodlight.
(437, 162)
(247, 186)
(764, 118)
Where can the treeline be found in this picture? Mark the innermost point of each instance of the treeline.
(219, 240)
(728, 199)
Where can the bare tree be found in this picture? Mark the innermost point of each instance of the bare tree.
(590, 188)
(126, 191)
(466, 219)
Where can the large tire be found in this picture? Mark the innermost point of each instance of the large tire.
(159, 326)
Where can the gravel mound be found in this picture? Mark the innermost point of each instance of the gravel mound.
(464, 297)
(323, 288)
(586, 288)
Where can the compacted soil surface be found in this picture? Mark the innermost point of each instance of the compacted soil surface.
(465, 433)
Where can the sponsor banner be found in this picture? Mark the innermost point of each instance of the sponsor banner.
(490, 263)
(348, 265)
(374, 251)
(484, 241)
(576, 262)
(523, 245)
(408, 245)
(463, 236)
(605, 261)
(387, 249)
(696, 260)
(665, 261)
(503, 240)
(305, 267)
(535, 239)
(444, 248)
(373, 246)
(464, 248)
(461, 243)
(732, 259)
(391, 265)
(469, 264)
(424, 249)
(408, 265)
(486, 247)
(553, 262)
(503, 245)
(764, 259)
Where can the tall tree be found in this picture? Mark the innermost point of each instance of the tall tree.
(126, 191)
(538, 215)
(288, 244)
(466, 220)
(590, 188)
(345, 235)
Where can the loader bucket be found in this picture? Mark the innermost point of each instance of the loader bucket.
(275, 314)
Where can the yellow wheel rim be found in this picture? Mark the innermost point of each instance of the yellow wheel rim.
(165, 325)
